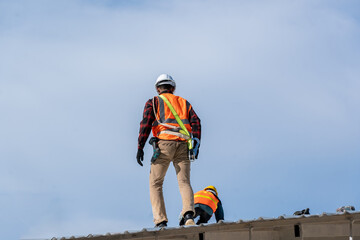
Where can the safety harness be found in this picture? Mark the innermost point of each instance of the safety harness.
(181, 131)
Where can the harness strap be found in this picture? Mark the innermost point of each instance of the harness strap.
(170, 126)
(176, 134)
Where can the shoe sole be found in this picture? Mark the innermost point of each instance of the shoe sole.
(190, 222)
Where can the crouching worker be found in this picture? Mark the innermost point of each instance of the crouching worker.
(207, 202)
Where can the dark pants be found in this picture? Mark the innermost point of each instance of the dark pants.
(204, 216)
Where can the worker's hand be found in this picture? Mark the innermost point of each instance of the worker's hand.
(140, 156)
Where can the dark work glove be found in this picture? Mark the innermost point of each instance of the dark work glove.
(140, 156)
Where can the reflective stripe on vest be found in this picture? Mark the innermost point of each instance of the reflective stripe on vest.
(206, 198)
(166, 126)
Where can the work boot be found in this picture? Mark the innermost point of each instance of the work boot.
(306, 211)
(302, 212)
(161, 225)
(189, 218)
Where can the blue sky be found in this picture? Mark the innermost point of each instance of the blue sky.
(276, 85)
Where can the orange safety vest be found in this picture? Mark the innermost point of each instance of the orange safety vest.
(206, 198)
(166, 126)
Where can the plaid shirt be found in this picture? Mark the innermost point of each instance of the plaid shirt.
(149, 117)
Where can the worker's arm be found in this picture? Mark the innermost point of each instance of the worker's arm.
(195, 124)
(219, 213)
(146, 124)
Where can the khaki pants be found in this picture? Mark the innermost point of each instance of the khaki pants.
(177, 152)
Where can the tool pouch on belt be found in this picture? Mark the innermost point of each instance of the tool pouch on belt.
(194, 151)
(154, 142)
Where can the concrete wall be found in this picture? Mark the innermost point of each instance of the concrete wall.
(244, 235)
(355, 229)
(337, 230)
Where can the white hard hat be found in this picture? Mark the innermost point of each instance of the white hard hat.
(165, 79)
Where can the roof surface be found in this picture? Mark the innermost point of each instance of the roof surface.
(282, 225)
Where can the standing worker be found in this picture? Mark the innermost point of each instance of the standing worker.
(207, 202)
(175, 127)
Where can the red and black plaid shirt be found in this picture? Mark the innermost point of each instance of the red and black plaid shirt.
(149, 117)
